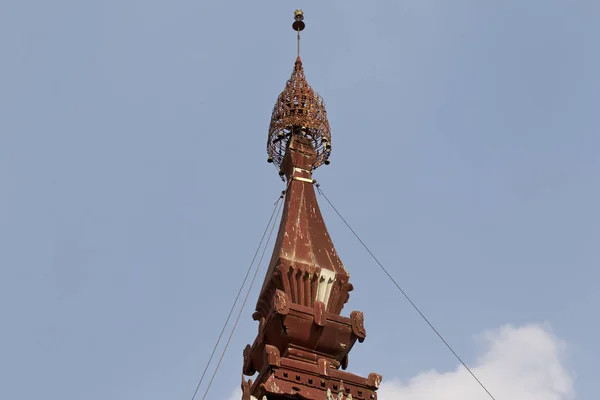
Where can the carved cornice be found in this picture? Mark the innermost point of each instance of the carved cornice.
(283, 338)
(305, 284)
(282, 376)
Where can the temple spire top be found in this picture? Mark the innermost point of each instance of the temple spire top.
(299, 115)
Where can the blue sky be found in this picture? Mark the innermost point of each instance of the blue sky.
(134, 187)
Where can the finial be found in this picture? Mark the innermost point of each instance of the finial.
(298, 25)
(299, 112)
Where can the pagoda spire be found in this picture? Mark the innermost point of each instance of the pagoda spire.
(303, 342)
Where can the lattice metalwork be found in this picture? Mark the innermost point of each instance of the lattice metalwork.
(299, 110)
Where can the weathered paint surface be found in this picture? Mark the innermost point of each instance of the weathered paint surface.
(302, 346)
(304, 263)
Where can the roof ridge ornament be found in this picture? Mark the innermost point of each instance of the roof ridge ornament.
(299, 111)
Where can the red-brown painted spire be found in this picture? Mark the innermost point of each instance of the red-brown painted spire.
(305, 263)
(303, 342)
(303, 237)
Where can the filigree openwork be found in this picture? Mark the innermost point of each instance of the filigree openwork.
(299, 110)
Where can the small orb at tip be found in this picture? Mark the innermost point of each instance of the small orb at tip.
(298, 24)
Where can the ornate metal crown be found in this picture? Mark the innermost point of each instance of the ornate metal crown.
(299, 110)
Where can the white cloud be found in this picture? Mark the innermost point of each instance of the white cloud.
(518, 363)
(524, 363)
(236, 395)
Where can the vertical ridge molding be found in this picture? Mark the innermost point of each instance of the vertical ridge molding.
(305, 284)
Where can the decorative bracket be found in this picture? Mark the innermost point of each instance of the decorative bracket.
(248, 367)
(374, 380)
(280, 302)
(358, 327)
(320, 315)
(272, 355)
